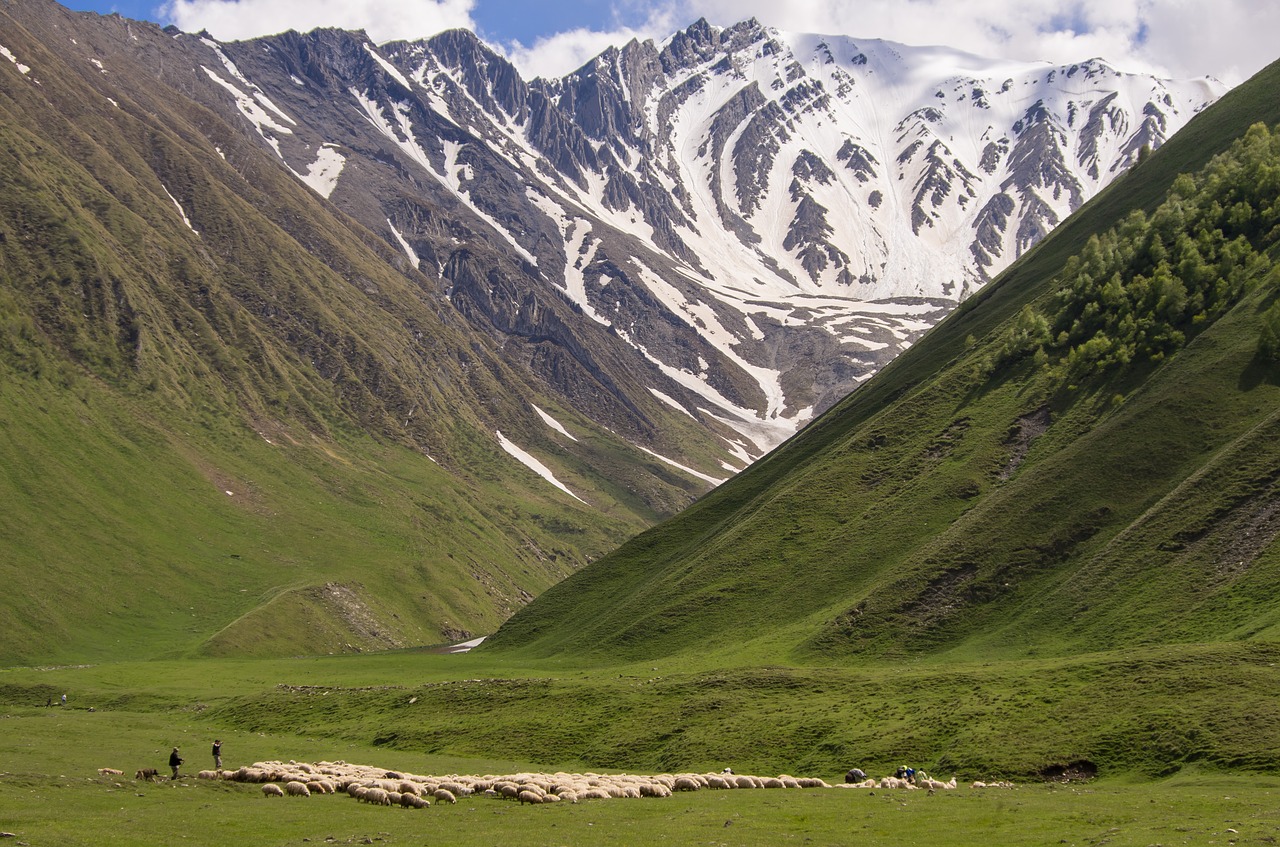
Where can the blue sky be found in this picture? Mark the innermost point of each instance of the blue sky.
(503, 21)
(1228, 39)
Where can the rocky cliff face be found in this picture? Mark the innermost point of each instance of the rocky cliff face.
(736, 226)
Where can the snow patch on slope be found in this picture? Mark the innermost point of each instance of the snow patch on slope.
(22, 69)
(181, 211)
(322, 174)
(553, 423)
(404, 245)
(534, 465)
(699, 474)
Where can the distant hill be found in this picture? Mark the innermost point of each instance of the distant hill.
(1083, 457)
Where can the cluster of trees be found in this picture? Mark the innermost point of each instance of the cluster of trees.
(1137, 291)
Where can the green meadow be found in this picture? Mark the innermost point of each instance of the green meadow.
(430, 713)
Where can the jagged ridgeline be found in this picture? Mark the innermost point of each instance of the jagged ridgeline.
(1085, 456)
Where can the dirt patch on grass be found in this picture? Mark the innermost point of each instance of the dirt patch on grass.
(1078, 771)
(351, 610)
(1022, 434)
(1254, 528)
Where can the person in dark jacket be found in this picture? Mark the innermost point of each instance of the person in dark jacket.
(174, 761)
(217, 754)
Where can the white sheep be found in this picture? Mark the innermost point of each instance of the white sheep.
(814, 782)
(271, 790)
(444, 795)
(894, 782)
(412, 801)
(297, 789)
(376, 796)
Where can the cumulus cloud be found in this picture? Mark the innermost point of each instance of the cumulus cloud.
(564, 52)
(1229, 39)
(383, 20)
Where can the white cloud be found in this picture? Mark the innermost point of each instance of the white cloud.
(565, 52)
(1229, 39)
(383, 20)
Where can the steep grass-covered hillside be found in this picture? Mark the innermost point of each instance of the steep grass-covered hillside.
(230, 420)
(1082, 457)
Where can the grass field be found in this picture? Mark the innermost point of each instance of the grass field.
(428, 713)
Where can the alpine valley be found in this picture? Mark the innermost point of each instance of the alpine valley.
(312, 344)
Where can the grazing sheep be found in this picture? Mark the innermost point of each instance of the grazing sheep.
(444, 795)
(271, 790)
(718, 782)
(813, 782)
(935, 785)
(207, 775)
(685, 783)
(407, 787)
(409, 801)
(323, 785)
(771, 782)
(894, 782)
(110, 772)
(743, 781)
(528, 796)
(297, 789)
(393, 798)
(596, 794)
(376, 796)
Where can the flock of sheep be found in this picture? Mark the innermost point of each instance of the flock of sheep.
(382, 787)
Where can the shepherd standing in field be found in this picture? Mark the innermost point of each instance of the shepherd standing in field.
(175, 761)
(217, 754)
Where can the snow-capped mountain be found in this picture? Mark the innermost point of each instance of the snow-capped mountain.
(394, 303)
(765, 217)
(739, 224)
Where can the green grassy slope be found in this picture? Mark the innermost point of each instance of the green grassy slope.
(267, 347)
(927, 514)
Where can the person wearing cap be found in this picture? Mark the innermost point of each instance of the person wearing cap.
(174, 761)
